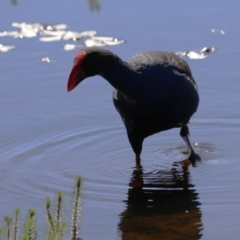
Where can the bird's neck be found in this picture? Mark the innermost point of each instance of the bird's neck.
(121, 76)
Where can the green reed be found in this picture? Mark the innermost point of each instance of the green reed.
(54, 218)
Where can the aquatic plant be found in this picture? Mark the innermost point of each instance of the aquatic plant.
(76, 208)
(8, 222)
(30, 230)
(55, 224)
(54, 215)
(16, 224)
(1, 234)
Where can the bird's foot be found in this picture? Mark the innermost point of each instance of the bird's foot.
(194, 157)
(189, 161)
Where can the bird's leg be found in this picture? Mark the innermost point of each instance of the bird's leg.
(184, 132)
(138, 162)
(136, 142)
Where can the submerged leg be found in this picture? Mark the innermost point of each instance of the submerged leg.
(184, 133)
(138, 161)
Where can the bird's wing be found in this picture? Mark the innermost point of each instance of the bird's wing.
(157, 61)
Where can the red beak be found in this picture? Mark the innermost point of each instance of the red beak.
(77, 74)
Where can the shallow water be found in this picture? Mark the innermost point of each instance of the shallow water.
(49, 136)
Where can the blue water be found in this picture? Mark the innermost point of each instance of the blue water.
(48, 136)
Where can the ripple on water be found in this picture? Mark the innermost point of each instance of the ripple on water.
(103, 156)
(52, 160)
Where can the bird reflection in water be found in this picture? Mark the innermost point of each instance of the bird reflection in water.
(161, 205)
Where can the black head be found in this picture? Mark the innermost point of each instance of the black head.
(88, 62)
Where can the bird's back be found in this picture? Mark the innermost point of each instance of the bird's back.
(160, 60)
(168, 91)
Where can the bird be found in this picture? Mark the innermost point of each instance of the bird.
(154, 91)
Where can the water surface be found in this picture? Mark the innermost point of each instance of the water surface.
(49, 136)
